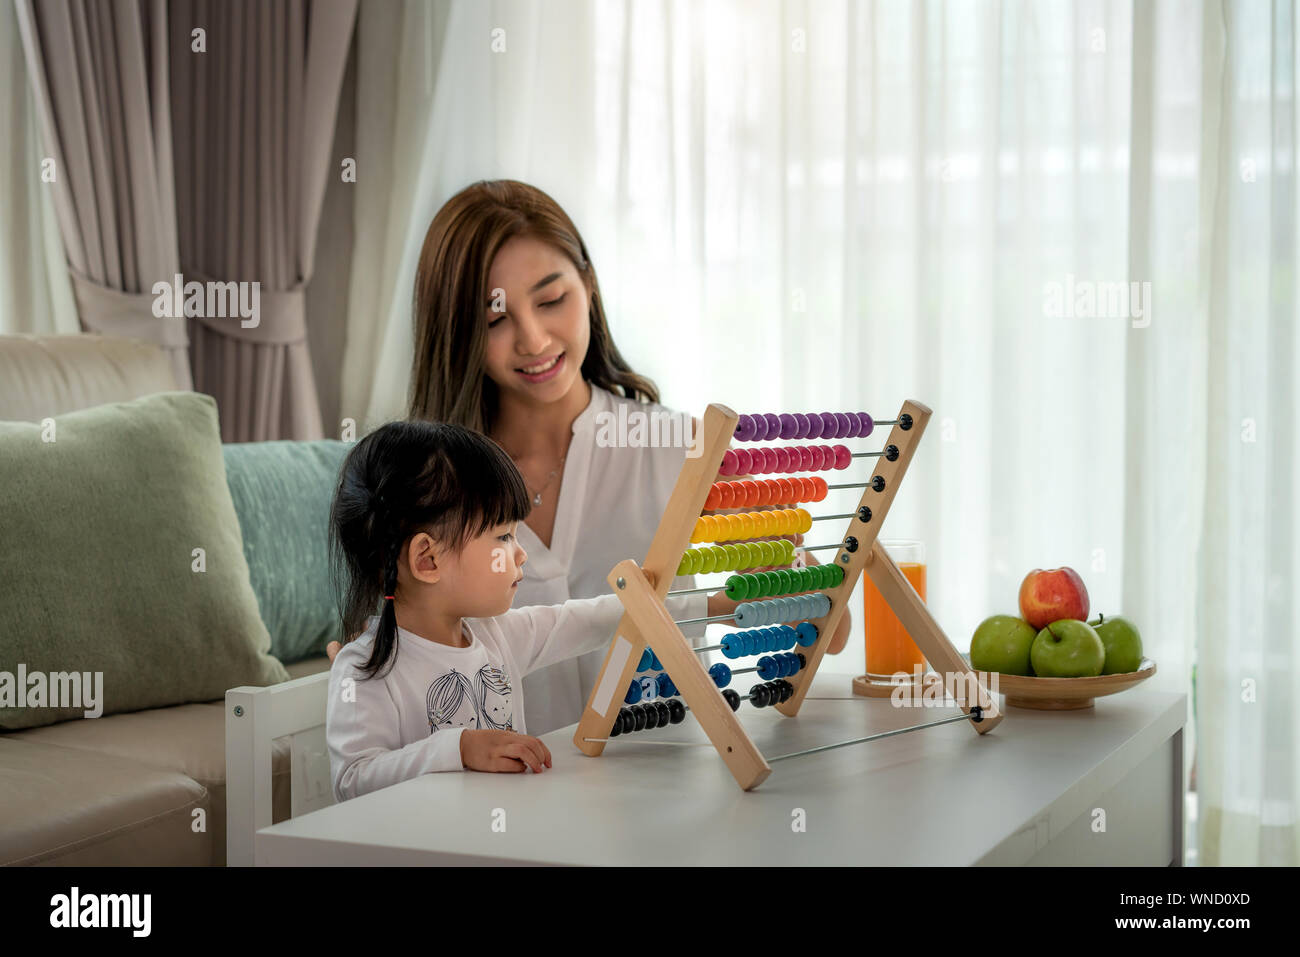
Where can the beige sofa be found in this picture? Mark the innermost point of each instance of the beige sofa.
(121, 789)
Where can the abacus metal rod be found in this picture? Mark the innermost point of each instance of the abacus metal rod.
(693, 591)
(697, 621)
(975, 714)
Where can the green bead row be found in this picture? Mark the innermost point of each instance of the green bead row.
(784, 581)
(725, 558)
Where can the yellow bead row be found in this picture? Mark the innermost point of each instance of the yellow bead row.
(746, 525)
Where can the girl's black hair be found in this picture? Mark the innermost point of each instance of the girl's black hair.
(404, 478)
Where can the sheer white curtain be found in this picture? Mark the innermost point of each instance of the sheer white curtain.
(841, 205)
(35, 292)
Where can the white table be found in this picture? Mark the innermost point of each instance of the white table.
(1024, 793)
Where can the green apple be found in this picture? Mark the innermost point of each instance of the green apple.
(1068, 648)
(1001, 643)
(1123, 644)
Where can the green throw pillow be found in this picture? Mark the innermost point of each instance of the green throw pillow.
(102, 515)
(282, 493)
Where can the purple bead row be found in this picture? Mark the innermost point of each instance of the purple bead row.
(798, 425)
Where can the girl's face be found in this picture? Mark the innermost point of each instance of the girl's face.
(483, 578)
(538, 323)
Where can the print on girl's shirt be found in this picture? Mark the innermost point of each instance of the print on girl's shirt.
(454, 702)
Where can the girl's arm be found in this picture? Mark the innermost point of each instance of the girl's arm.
(362, 732)
(541, 635)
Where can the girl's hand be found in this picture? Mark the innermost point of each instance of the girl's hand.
(506, 751)
(332, 649)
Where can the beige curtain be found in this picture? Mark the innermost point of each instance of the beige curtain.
(99, 77)
(254, 121)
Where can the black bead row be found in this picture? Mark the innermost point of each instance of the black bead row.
(659, 714)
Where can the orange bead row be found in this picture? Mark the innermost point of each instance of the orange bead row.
(746, 525)
(751, 493)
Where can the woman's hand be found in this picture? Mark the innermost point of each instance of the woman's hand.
(720, 604)
(332, 649)
(506, 751)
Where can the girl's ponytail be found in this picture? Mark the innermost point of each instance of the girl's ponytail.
(385, 649)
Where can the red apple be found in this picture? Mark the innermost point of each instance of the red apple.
(1048, 596)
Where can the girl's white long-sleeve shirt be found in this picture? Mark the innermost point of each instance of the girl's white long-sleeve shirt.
(408, 720)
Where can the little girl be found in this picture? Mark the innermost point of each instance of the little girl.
(424, 526)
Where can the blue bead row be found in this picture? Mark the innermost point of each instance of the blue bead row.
(758, 641)
(755, 614)
(778, 666)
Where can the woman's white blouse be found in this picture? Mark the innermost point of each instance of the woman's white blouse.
(612, 497)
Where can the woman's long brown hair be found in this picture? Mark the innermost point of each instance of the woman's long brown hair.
(448, 380)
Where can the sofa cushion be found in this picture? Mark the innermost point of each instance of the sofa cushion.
(282, 493)
(189, 739)
(103, 516)
(72, 806)
(45, 376)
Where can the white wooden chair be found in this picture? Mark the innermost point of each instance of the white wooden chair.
(255, 717)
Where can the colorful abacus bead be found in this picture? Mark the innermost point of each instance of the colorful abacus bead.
(744, 428)
(766, 426)
(720, 674)
(633, 692)
(733, 699)
(806, 634)
(665, 713)
(665, 686)
(676, 711)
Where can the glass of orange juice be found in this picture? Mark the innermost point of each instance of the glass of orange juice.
(889, 647)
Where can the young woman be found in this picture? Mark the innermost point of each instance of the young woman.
(511, 340)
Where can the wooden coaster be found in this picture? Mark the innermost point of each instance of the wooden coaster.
(884, 686)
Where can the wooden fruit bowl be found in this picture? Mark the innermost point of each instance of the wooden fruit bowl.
(1068, 694)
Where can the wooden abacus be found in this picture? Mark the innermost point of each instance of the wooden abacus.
(646, 622)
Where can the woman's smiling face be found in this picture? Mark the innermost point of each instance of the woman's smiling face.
(538, 321)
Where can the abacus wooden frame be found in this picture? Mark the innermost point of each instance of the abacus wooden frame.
(646, 620)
